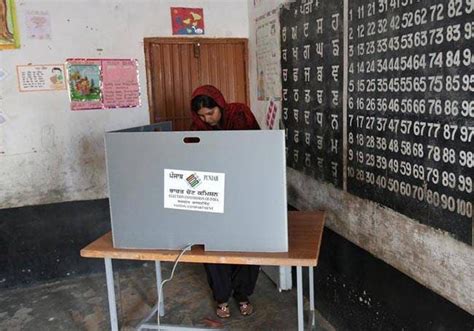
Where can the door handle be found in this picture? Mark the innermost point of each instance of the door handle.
(197, 50)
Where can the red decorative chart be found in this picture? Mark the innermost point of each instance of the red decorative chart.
(187, 20)
(271, 114)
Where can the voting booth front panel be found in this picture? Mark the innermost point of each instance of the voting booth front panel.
(225, 190)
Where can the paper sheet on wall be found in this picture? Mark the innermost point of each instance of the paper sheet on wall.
(85, 84)
(268, 56)
(41, 77)
(38, 24)
(120, 86)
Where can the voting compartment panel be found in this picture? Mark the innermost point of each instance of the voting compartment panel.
(226, 191)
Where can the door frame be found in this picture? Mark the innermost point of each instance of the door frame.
(188, 40)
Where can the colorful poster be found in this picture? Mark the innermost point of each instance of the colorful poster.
(38, 24)
(84, 84)
(9, 36)
(40, 77)
(103, 83)
(120, 86)
(187, 20)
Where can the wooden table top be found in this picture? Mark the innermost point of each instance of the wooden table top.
(305, 231)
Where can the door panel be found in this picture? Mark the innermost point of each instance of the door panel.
(176, 66)
(223, 67)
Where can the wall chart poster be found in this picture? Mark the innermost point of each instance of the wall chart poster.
(103, 83)
(268, 56)
(312, 84)
(9, 35)
(187, 20)
(41, 77)
(38, 24)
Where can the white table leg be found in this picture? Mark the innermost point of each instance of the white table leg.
(161, 301)
(311, 296)
(109, 274)
(299, 285)
(311, 288)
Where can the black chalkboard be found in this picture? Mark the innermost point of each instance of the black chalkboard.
(410, 111)
(312, 81)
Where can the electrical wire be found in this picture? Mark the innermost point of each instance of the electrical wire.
(160, 289)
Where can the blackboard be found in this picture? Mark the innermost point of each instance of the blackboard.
(312, 81)
(410, 109)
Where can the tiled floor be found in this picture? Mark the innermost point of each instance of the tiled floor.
(80, 303)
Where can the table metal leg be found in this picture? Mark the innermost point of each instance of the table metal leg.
(311, 288)
(311, 296)
(299, 285)
(161, 299)
(109, 274)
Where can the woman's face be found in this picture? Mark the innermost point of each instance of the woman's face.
(211, 116)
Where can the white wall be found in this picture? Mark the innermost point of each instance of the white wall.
(431, 257)
(50, 154)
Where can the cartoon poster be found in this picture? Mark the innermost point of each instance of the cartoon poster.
(103, 83)
(40, 77)
(187, 20)
(84, 84)
(38, 24)
(9, 36)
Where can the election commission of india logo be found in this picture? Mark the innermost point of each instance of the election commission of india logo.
(193, 180)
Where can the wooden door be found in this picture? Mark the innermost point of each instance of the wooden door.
(176, 66)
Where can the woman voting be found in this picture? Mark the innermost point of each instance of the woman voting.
(210, 111)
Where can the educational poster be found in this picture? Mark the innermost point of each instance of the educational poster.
(103, 83)
(84, 84)
(42, 77)
(120, 88)
(38, 24)
(268, 56)
(187, 21)
(194, 190)
(9, 35)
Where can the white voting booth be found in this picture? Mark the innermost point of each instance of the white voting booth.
(225, 190)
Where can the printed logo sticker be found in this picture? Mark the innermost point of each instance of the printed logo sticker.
(193, 180)
(194, 190)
